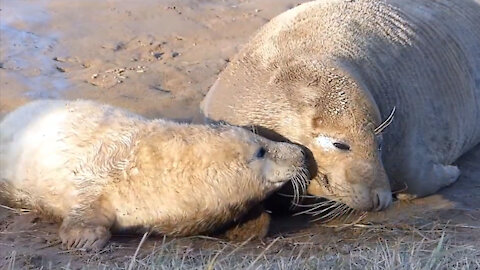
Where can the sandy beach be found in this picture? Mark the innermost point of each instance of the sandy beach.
(158, 59)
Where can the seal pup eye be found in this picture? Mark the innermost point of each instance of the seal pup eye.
(261, 152)
(341, 146)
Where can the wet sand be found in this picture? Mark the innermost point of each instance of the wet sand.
(157, 58)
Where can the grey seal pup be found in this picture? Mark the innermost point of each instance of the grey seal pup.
(98, 168)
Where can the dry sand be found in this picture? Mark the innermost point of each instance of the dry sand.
(158, 58)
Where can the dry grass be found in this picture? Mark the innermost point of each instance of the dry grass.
(424, 254)
(431, 246)
(420, 243)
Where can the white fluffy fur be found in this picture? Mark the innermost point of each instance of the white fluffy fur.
(98, 167)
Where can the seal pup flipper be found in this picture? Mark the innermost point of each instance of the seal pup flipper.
(87, 227)
(254, 225)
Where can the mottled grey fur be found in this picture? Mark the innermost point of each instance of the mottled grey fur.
(420, 56)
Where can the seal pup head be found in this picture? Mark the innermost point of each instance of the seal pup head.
(220, 173)
(250, 156)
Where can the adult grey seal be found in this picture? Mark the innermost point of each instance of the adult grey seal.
(100, 168)
(324, 75)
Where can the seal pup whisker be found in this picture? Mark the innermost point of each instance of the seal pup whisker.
(299, 182)
(295, 191)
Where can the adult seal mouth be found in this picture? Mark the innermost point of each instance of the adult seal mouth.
(327, 75)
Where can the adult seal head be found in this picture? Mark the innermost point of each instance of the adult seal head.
(100, 168)
(328, 73)
(323, 114)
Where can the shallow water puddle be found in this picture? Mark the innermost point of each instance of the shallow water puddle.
(26, 54)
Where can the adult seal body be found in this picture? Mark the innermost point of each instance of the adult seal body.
(100, 168)
(326, 73)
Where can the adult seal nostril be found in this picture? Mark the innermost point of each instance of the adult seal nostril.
(376, 202)
(382, 199)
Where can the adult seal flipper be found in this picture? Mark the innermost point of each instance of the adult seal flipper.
(326, 73)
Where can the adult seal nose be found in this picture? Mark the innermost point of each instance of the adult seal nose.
(381, 199)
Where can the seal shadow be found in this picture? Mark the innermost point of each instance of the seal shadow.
(466, 190)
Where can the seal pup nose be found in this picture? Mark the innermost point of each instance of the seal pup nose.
(292, 152)
(381, 199)
(301, 157)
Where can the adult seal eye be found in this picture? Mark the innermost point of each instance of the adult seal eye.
(341, 146)
(261, 153)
